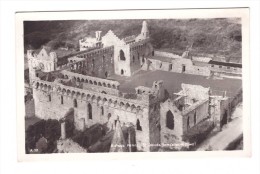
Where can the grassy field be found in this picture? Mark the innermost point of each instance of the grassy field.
(172, 82)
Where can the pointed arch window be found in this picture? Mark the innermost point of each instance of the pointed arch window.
(89, 111)
(138, 125)
(122, 55)
(169, 120)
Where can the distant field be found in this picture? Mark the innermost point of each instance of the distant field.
(221, 37)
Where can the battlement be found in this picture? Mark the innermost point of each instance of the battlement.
(96, 52)
(143, 90)
(130, 105)
(137, 43)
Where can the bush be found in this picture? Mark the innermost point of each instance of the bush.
(50, 129)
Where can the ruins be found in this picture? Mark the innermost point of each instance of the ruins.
(94, 84)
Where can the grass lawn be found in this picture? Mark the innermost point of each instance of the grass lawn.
(172, 82)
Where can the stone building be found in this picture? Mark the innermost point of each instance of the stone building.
(90, 42)
(83, 83)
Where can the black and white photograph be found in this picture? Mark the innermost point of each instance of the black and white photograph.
(137, 84)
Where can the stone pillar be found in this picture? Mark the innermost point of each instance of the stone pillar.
(129, 141)
(63, 130)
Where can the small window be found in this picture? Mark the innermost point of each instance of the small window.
(220, 66)
(75, 103)
(195, 118)
(89, 111)
(102, 110)
(61, 100)
(170, 67)
(212, 65)
(138, 126)
(49, 97)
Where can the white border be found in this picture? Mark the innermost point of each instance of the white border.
(242, 13)
(8, 143)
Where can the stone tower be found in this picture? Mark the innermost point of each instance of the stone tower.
(145, 31)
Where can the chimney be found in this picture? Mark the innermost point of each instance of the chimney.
(98, 35)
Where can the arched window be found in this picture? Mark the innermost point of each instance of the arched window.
(122, 55)
(169, 120)
(102, 110)
(61, 100)
(195, 118)
(75, 103)
(89, 111)
(138, 126)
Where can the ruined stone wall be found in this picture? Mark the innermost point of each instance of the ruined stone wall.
(225, 69)
(179, 65)
(99, 62)
(138, 52)
(154, 64)
(195, 114)
(45, 62)
(134, 57)
(122, 60)
(50, 109)
(171, 135)
(54, 100)
(220, 108)
(154, 126)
